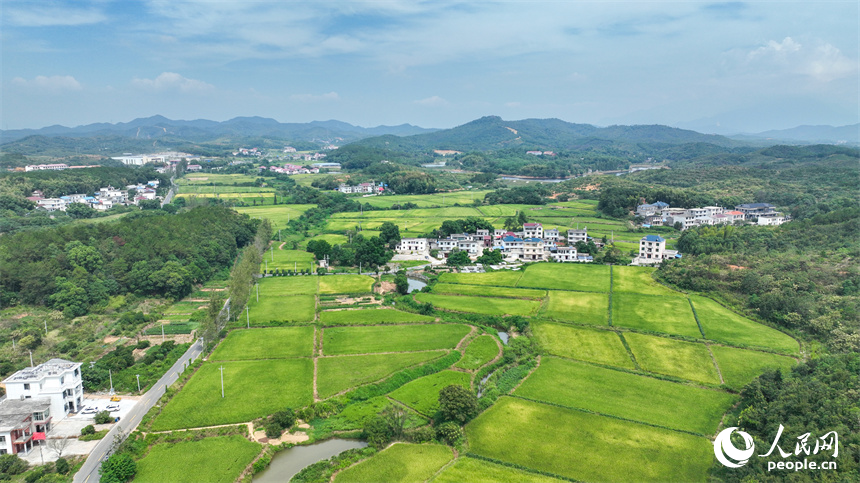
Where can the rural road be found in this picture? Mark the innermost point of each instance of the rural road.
(89, 472)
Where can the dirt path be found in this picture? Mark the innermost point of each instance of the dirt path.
(527, 376)
(249, 425)
(316, 393)
(281, 246)
(467, 337)
(717, 366)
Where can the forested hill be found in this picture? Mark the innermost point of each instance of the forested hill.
(77, 267)
(492, 133)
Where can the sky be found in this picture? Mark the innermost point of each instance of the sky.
(723, 67)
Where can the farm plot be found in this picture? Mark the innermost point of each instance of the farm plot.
(392, 338)
(218, 460)
(721, 324)
(654, 313)
(479, 352)
(336, 374)
(216, 178)
(739, 367)
(370, 317)
(272, 343)
(277, 214)
(273, 311)
(488, 291)
(481, 305)
(586, 447)
(600, 346)
(562, 276)
(333, 284)
(616, 393)
(295, 285)
(422, 394)
(503, 278)
(479, 471)
(288, 260)
(400, 463)
(581, 307)
(638, 280)
(252, 389)
(427, 201)
(687, 360)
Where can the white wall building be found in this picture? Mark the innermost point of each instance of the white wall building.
(577, 235)
(57, 380)
(412, 245)
(20, 420)
(564, 254)
(532, 230)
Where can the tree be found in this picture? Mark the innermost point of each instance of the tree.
(149, 204)
(449, 432)
(458, 258)
(286, 418)
(401, 282)
(320, 248)
(377, 431)
(119, 468)
(103, 417)
(456, 403)
(389, 233)
(80, 210)
(62, 466)
(491, 257)
(58, 445)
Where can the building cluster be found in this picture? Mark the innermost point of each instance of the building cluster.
(360, 188)
(660, 213)
(55, 167)
(171, 158)
(103, 200)
(533, 244)
(36, 398)
(291, 169)
(541, 153)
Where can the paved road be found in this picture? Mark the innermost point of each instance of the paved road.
(89, 472)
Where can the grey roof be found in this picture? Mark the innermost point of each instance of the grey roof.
(14, 411)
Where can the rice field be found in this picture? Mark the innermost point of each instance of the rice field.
(686, 360)
(392, 338)
(598, 346)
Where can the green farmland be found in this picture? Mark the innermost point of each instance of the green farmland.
(488, 291)
(370, 317)
(422, 394)
(739, 367)
(479, 352)
(273, 343)
(271, 310)
(721, 324)
(599, 346)
(567, 276)
(687, 360)
(579, 307)
(481, 305)
(654, 313)
(395, 338)
(337, 374)
(217, 460)
(401, 463)
(334, 284)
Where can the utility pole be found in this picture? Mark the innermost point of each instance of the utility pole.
(110, 375)
(258, 291)
(138, 382)
(273, 253)
(162, 332)
(46, 326)
(222, 381)
(31, 359)
(248, 315)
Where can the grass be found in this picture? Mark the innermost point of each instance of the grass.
(345, 284)
(422, 394)
(277, 214)
(370, 316)
(600, 346)
(739, 367)
(543, 438)
(217, 460)
(252, 389)
(687, 360)
(641, 398)
(400, 463)
(478, 471)
(336, 374)
(669, 315)
(272, 343)
(502, 278)
(567, 276)
(481, 305)
(721, 324)
(270, 310)
(305, 285)
(479, 352)
(581, 307)
(638, 280)
(287, 260)
(392, 338)
(426, 201)
(215, 178)
(483, 290)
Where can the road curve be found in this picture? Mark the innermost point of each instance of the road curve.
(89, 472)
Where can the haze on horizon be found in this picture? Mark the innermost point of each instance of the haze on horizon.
(723, 67)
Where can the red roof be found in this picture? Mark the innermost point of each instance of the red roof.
(734, 213)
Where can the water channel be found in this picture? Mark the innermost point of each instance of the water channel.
(287, 463)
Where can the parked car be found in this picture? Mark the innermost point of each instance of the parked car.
(115, 399)
(112, 407)
(89, 410)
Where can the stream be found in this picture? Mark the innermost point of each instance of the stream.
(287, 463)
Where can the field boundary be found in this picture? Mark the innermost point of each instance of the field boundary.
(717, 366)
(696, 316)
(629, 351)
(519, 467)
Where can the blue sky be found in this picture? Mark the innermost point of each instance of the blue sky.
(714, 67)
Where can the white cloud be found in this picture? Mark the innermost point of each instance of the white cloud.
(330, 96)
(433, 101)
(30, 15)
(171, 81)
(815, 59)
(54, 83)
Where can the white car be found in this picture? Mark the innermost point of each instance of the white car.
(112, 407)
(89, 410)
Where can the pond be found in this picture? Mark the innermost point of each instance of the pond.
(504, 337)
(415, 285)
(287, 463)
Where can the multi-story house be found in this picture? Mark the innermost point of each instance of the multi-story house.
(57, 380)
(564, 254)
(20, 421)
(412, 245)
(533, 249)
(577, 235)
(754, 210)
(532, 230)
(551, 234)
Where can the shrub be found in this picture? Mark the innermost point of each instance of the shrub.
(142, 344)
(103, 417)
(456, 403)
(62, 466)
(377, 432)
(421, 435)
(11, 464)
(35, 474)
(273, 430)
(118, 468)
(88, 429)
(285, 419)
(262, 463)
(449, 432)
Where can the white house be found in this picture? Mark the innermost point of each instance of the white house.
(52, 204)
(754, 210)
(412, 245)
(771, 219)
(564, 254)
(49, 167)
(577, 235)
(533, 249)
(532, 230)
(551, 234)
(472, 247)
(58, 380)
(652, 249)
(20, 420)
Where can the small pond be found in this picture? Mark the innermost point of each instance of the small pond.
(287, 463)
(504, 337)
(415, 285)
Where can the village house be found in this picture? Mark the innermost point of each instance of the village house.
(48, 167)
(412, 246)
(22, 422)
(58, 380)
(652, 249)
(754, 210)
(532, 230)
(577, 235)
(533, 250)
(551, 235)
